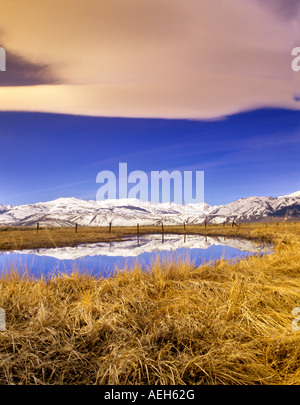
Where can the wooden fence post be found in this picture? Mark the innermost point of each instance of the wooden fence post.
(184, 226)
(37, 227)
(162, 227)
(76, 226)
(138, 233)
(109, 228)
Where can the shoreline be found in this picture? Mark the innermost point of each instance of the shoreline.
(28, 238)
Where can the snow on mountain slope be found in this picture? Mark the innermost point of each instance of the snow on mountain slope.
(128, 212)
(245, 209)
(258, 208)
(68, 211)
(296, 194)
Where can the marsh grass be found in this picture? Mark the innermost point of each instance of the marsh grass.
(175, 323)
(18, 238)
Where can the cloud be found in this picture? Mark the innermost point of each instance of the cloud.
(22, 72)
(38, 191)
(283, 9)
(164, 58)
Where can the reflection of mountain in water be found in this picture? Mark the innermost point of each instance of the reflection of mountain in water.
(145, 244)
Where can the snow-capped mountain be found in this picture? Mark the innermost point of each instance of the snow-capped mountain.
(296, 194)
(128, 212)
(259, 209)
(122, 212)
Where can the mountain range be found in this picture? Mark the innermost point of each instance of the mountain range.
(128, 212)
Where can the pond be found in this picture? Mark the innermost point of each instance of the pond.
(103, 258)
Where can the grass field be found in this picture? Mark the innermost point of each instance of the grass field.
(174, 324)
(27, 238)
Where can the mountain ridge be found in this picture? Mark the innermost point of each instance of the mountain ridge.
(125, 212)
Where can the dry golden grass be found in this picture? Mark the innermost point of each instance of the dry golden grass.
(174, 324)
(16, 238)
(27, 238)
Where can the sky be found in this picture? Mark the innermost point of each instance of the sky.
(162, 85)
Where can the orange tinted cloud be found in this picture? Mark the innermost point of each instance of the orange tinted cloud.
(158, 58)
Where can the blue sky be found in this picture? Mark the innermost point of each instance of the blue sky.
(204, 85)
(47, 156)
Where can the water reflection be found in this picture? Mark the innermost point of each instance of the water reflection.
(105, 256)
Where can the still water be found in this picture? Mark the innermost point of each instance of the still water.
(104, 258)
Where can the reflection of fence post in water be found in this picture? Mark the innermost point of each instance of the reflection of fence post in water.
(184, 238)
(162, 232)
(138, 233)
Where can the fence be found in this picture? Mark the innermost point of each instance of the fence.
(229, 221)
